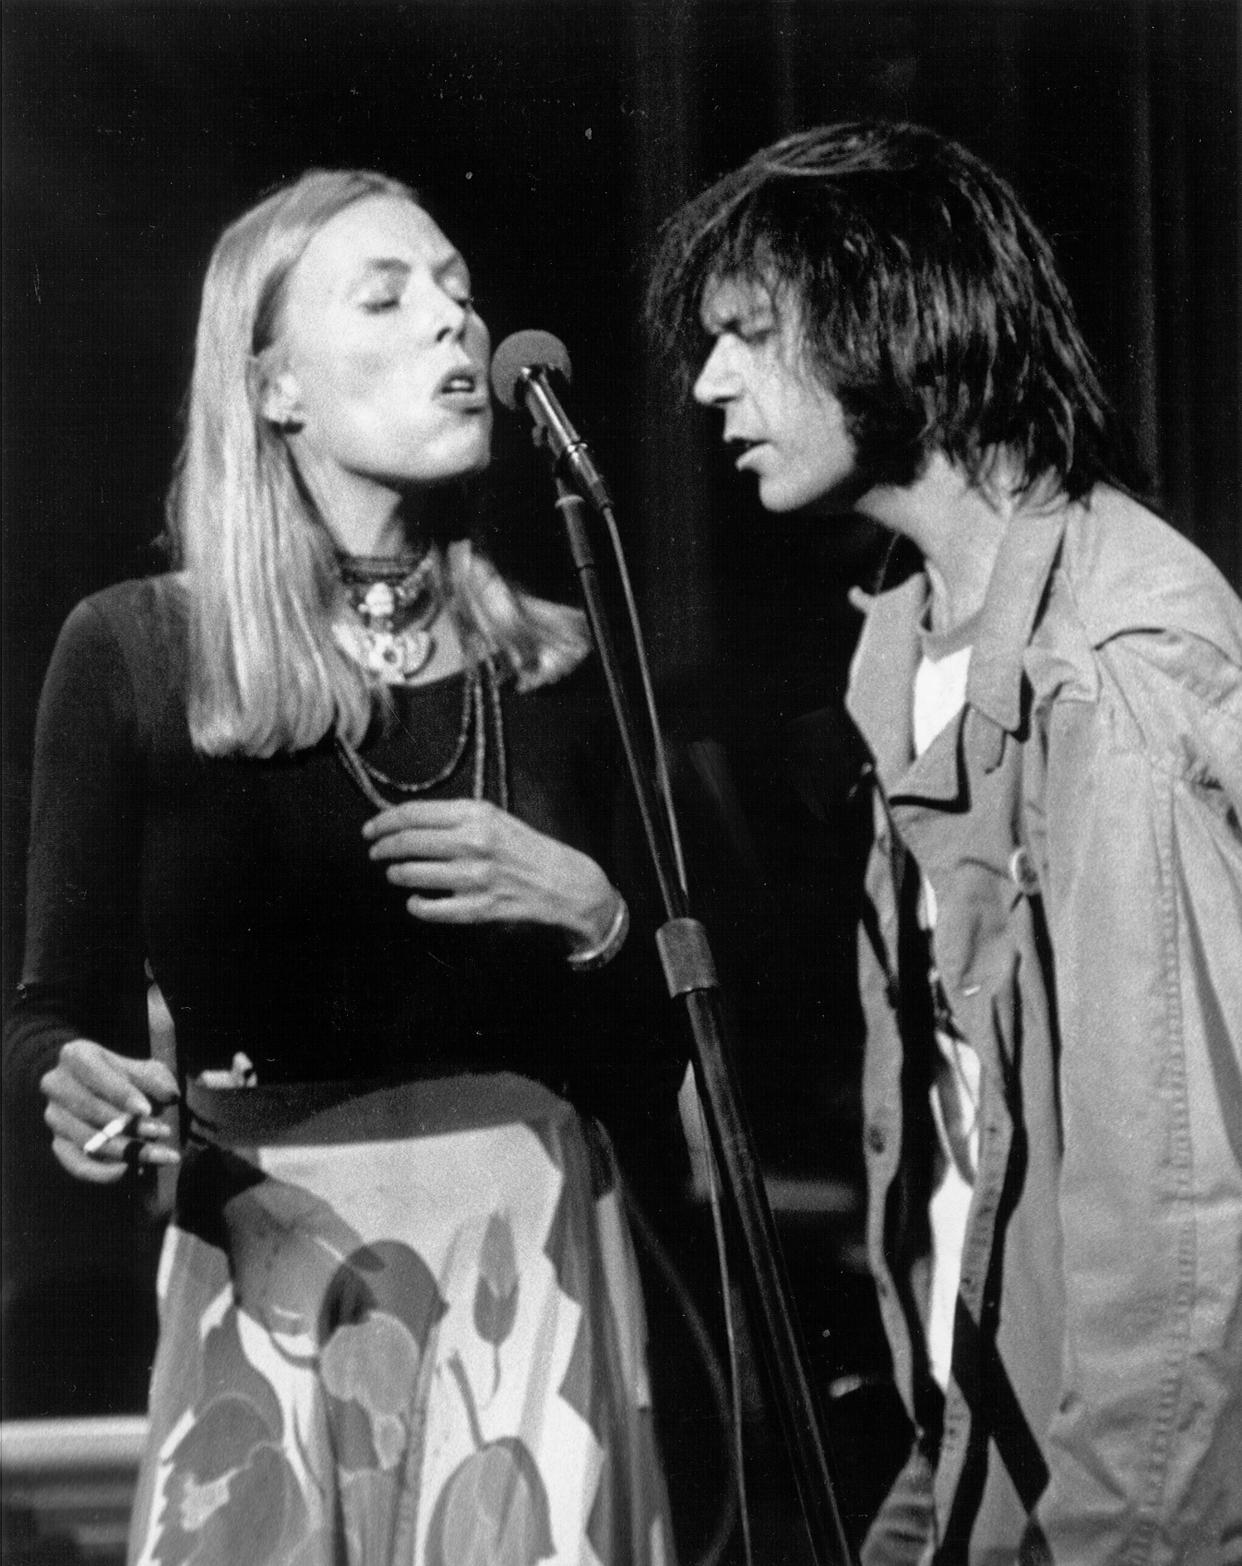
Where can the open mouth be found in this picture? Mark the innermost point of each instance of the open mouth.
(741, 447)
(464, 388)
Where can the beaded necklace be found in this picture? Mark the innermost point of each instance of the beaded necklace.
(480, 700)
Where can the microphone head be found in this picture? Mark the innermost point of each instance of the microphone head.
(526, 351)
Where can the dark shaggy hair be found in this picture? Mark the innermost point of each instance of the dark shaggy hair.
(930, 303)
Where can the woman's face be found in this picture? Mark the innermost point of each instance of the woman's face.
(382, 361)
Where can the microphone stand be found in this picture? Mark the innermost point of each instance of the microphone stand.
(690, 973)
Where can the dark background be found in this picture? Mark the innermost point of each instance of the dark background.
(551, 139)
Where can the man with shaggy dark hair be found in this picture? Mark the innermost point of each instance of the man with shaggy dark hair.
(1049, 688)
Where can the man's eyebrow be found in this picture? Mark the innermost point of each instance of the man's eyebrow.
(742, 315)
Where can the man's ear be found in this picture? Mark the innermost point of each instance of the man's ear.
(280, 401)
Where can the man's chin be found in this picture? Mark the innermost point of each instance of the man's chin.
(840, 497)
(842, 500)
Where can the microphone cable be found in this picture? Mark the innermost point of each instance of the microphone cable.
(723, 1399)
(664, 786)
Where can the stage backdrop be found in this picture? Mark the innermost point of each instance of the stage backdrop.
(552, 139)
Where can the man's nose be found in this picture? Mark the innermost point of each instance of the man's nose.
(716, 383)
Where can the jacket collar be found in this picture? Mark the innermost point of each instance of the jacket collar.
(1015, 593)
(882, 675)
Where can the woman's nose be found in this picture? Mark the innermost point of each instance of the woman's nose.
(454, 316)
(452, 326)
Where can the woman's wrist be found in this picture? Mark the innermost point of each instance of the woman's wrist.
(594, 953)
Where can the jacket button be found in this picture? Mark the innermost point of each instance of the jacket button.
(1022, 872)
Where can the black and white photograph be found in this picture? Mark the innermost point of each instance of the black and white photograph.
(622, 783)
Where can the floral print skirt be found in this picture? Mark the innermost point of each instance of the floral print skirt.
(400, 1325)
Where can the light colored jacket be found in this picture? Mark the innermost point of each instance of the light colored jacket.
(1081, 825)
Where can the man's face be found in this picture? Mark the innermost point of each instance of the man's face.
(789, 430)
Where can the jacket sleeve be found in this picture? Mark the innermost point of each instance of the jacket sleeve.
(1143, 888)
(82, 975)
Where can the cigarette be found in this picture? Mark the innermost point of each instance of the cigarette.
(105, 1135)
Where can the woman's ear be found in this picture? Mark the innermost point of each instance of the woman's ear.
(278, 397)
(281, 403)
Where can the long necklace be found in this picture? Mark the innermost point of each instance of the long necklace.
(394, 603)
(480, 699)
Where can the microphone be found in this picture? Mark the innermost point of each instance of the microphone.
(523, 371)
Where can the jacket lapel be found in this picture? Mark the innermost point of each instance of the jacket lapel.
(882, 678)
(882, 675)
(880, 698)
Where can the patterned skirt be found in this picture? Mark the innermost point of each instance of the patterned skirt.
(401, 1326)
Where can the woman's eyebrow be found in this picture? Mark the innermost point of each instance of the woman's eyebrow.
(453, 263)
(389, 269)
(396, 270)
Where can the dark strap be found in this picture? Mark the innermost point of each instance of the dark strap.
(994, 1405)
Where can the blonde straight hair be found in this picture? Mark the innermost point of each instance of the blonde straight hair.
(267, 671)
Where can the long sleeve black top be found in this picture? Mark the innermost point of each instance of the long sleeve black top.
(243, 887)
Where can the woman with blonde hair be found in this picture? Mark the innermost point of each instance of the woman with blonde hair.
(341, 790)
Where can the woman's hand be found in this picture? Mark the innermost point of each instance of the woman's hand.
(468, 862)
(87, 1091)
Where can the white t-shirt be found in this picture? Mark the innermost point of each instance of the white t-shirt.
(939, 695)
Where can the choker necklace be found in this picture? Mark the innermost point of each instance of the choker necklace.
(394, 602)
(480, 699)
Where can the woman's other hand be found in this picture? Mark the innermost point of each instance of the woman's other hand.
(466, 861)
(90, 1090)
